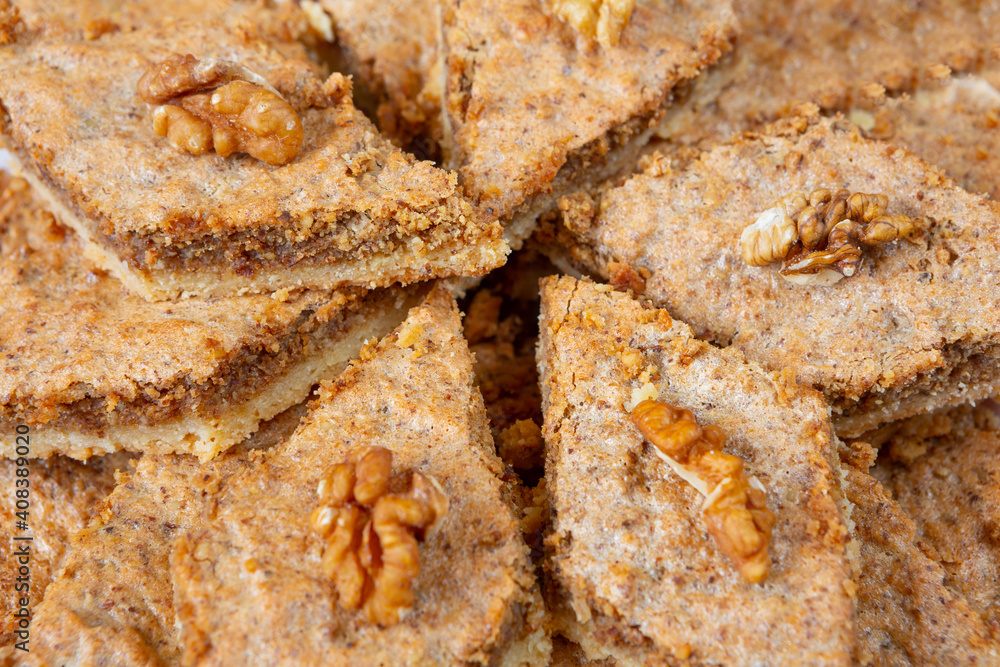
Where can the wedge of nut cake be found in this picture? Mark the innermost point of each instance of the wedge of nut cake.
(635, 575)
(837, 54)
(913, 329)
(62, 497)
(535, 103)
(310, 194)
(954, 125)
(911, 610)
(92, 368)
(112, 602)
(391, 49)
(947, 480)
(274, 584)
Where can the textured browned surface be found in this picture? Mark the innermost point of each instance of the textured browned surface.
(113, 602)
(348, 197)
(830, 52)
(63, 496)
(909, 610)
(954, 126)
(916, 328)
(628, 545)
(475, 593)
(948, 483)
(81, 353)
(391, 46)
(525, 94)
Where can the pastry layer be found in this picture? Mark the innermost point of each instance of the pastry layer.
(954, 125)
(914, 329)
(349, 209)
(92, 368)
(910, 610)
(476, 600)
(636, 575)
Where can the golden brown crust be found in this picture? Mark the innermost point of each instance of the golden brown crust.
(343, 209)
(113, 601)
(529, 103)
(475, 595)
(63, 496)
(884, 344)
(640, 574)
(910, 612)
(88, 356)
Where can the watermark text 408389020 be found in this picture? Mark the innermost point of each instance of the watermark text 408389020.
(21, 539)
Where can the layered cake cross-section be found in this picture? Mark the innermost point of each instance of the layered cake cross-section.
(91, 368)
(377, 534)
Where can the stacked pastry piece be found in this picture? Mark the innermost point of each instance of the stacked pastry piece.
(742, 433)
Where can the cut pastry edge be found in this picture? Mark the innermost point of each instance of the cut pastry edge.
(206, 435)
(377, 270)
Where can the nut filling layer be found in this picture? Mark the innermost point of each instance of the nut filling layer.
(372, 551)
(735, 510)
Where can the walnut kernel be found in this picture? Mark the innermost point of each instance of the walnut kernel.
(735, 509)
(372, 536)
(242, 112)
(603, 20)
(820, 237)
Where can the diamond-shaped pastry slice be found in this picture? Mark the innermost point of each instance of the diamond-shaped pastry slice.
(347, 209)
(256, 581)
(91, 368)
(636, 576)
(912, 330)
(533, 106)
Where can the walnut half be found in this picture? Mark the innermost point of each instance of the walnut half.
(212, 103)
(735, 509)
(820, 238)
(372, 536)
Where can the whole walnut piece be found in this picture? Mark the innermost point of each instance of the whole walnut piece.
(820, 238)
(372, 535)
(217, 104)
(735, 509)
(603, 20)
